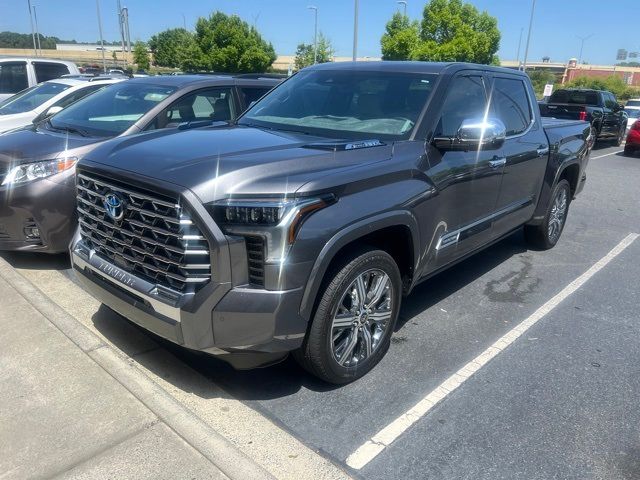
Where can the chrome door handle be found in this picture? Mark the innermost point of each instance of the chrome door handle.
(543, 151)
(497, 162)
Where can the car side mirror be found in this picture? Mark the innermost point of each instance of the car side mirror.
(475, 134)
(620, 107)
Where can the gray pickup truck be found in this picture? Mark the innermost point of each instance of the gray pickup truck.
(300, 226)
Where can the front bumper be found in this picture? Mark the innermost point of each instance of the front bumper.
(247, 327)
(48, 205)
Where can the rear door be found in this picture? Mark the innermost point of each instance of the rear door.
(467, 181)
(525, 152)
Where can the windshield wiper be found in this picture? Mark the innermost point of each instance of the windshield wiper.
(69, 129)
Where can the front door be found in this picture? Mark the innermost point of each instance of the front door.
(467, 182)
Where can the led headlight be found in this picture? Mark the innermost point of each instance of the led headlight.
(276, 220)
(33, 171)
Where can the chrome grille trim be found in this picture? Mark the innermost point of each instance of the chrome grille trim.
(156, 240)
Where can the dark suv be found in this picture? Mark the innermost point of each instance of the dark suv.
(300, 227)
(37, 163)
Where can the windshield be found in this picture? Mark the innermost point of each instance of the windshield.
(31, 98)
(633, 113)
(345, 104)
(112, 110)
(633, 103)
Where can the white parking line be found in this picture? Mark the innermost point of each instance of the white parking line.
(374, 446)
(607, 154)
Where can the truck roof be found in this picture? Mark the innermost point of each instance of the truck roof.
(412, 67)
(183, 80)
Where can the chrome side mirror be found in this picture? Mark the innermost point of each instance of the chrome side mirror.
(490, 132)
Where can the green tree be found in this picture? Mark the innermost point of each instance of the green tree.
(229, 44)
(450, 31)
(141, 55)
(612, 83)
(172, 47)
(539, 78)
(400, 38)
(305, 52)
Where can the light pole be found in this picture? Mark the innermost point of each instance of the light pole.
(104, 61)
(526, 49)
(35, 16)
(519, 45)
(184, 22)
(315, 34)
(404, 4)
(33, 35)
(582, 40)
(355, 31)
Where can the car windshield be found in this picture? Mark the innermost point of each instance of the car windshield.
(112, 110)
(633, 103)
(578, 97)
(345, 104)
(31, 98)
(633, 112)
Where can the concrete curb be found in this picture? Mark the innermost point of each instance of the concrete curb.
(217, 449)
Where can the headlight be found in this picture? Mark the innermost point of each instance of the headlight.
(33, 171)
(277, 221)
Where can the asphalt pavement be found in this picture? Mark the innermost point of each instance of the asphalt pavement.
(557, 402)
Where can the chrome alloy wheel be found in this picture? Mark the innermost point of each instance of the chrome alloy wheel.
(557, 216)
(362, 317)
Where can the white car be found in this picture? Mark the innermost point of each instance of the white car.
(632, 108)
(46, 99)
(18, 73)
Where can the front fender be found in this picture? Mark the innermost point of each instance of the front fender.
(348, 235)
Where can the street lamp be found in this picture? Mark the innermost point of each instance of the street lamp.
(315, 34)
(355, 31)
(35, 16)
(582, 40)
(104, 61)
(33, 34)
(403, 3)
(526, 49)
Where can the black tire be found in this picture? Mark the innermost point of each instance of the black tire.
(542, 236)
(629, 151)
(317, 353)
(619, 139)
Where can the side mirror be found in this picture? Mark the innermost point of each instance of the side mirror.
(475, 134)
(620, 107)
(53, 110)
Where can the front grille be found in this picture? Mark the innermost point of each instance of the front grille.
(155, 239)
(255, 256)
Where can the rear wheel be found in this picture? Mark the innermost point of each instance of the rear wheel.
(355, 318)
(547, 234)
(629, 150)
(618, 141)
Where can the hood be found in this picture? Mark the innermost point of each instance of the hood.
(218, 162)
(30, 144)
(16, 120)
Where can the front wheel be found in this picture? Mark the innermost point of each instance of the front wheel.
(547, 234)
(355, 318)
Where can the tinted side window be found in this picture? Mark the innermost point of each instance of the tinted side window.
(48, 71)
(466, 100)
(13, 77)
(214, 104)
(610, 100)
(510, 103)
(252, 94)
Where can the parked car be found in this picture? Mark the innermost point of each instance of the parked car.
(632, 144)
(47, 98)
(300, 227)
(37, 164)
(19, 73)
(598, 107)
(633, 115)
(632, 104)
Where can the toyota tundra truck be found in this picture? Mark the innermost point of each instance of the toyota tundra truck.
(301, 226)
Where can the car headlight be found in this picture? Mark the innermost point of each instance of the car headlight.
(276, 220)
(34, 171)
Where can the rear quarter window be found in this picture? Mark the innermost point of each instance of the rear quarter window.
(13, 77)
(49, 70)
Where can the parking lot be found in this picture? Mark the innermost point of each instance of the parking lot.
(555, 401)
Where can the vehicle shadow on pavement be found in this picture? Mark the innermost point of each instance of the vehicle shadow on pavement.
(287, 377)
(37, 261)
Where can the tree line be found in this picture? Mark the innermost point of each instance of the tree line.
(25, 41)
